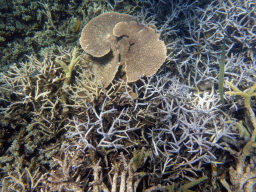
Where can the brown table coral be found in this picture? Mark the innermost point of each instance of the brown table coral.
(115, 40)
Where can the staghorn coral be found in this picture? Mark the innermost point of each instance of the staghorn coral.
(25, 181)
(31, 109)
(242, 176)
(249, 147)
(100, 175)
(197, 48)
(68, 176)
(176, 124)
(164, 117)
(68, 68)
(89, 166)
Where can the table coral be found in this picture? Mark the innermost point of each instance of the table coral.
(139, 48)
(144, 54)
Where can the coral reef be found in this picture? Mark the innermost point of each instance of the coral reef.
(32, 116)
(62, 131)
(173, 130)
(33, 26)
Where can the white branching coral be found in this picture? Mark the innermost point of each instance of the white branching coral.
(32, 109)
(157, 131)
(169, 117)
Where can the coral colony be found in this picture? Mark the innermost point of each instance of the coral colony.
(161, 97)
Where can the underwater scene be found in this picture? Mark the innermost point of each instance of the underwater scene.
(128, 96)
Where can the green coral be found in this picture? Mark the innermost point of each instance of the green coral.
(251, 145)
(222, 72)
(68, 68)
(139, 157)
